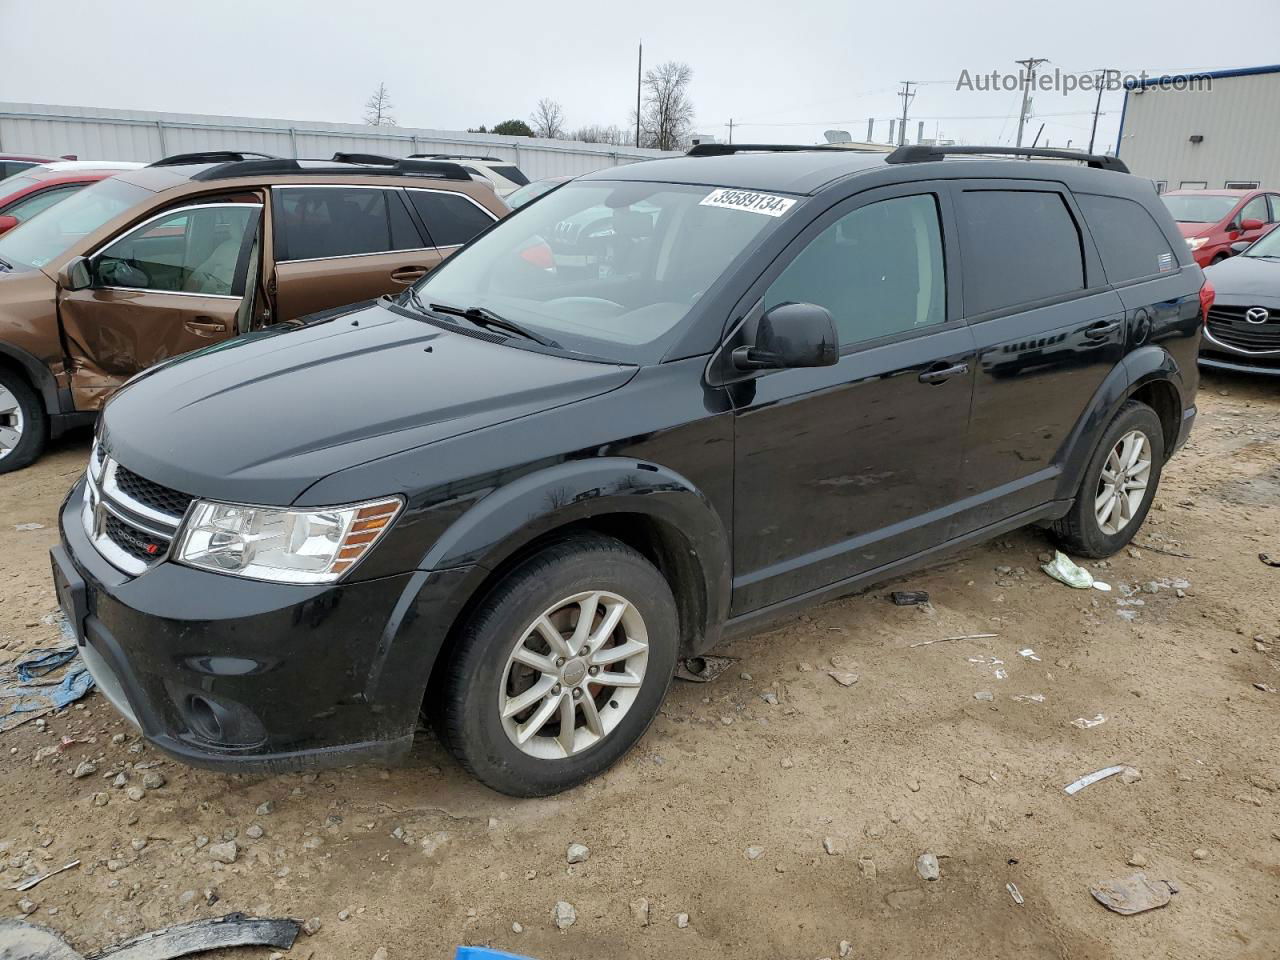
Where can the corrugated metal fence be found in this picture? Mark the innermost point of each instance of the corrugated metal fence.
(101, 134)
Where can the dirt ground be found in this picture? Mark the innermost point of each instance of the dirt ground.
(905, 761)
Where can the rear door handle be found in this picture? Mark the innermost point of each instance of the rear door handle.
(939, 374)
(1102, 329)
(205, 327)
(408, 274)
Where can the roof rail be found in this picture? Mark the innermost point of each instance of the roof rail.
(211, 156)
(726, 149)
(922, 153)
(374, 158)
(456, 156)
(385, 167)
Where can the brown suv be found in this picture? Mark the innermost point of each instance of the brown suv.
(198, 248)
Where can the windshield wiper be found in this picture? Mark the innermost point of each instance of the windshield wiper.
(5, 266)
(483, 317)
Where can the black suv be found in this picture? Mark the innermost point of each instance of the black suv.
(518, 494)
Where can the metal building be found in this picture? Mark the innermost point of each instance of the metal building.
(1204, 131)
(104, 134)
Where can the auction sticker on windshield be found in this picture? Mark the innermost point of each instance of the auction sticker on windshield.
(766, 203)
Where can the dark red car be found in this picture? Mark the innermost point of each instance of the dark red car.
(40, 186)
(11, 163)
(1212, 220)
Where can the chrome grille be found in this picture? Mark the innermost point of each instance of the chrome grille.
(1228, 327)
(130, 520)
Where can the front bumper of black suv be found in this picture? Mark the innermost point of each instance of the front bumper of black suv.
(245, 676)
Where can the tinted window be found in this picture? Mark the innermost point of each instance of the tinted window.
(1255, 209)
(514, 174)
(9, 167)
(1019, 246)
(1205, 208)
(878, 270)
(344, 221)
(451, 218)
(1130, 242)
(196, 250)
(29, 206)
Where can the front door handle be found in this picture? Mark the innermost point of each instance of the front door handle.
(939, 373)
(1102, 329)
(408, 274)
(205, 327)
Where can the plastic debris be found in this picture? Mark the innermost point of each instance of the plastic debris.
(968, 636)
(26, 695)
(1133, 894)
(1015, 893)
(233, 930)
(1131, 775)
(909, 598)
(1029, 654)
(28, 884)
(1086, 723)
(1002, 673)
(703, 669)
(1030, 698)
(21, 940)
(24, 527)
(1063, 569)
(1269, 560)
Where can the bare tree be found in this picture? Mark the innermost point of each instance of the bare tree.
(666, 117)
(597, 133)
(547, 119)
(377, 109)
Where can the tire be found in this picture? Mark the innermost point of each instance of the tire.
(483, 680)
(1082, 531)
(21, 417)
(1218, 259)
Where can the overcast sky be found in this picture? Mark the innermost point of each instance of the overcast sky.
(783, 72)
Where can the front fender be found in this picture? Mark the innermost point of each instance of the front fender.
(515, 515)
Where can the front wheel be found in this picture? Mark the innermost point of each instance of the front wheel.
(1118, 487)
(23, 428)
(561, 669)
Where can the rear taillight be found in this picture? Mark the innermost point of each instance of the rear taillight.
(1206, 301)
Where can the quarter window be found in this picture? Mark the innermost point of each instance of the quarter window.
(1131, 243)
(1018, 246)
(321, 222)
(197, 250)
(878, 270)
(451, 218)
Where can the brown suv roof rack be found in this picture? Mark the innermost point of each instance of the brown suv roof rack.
(211, 156)
(922, 153)
(223, 169)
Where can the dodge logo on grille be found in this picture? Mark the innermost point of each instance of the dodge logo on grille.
(1257, 315)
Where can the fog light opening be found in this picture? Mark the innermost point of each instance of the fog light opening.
(203, 719)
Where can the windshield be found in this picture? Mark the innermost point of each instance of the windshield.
(48, 234)
(518, 198)
(1188, 208)
(1268, 246)
(605, 268)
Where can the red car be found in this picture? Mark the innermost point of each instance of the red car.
(11, 163)
(40, 186)
(1212, 220)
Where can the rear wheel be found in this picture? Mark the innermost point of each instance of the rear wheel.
(1119, 484)
(561, 669)
(23, 428)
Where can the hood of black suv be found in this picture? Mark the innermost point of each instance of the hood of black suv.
(261, 418)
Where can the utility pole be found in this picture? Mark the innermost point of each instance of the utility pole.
(731, 129)
(639, 64)
(1097, 108)
(1030, 63)
(907, 96)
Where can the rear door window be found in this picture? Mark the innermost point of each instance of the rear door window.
(1019, 246)
(317, 223)
(451, 218)
(1131, 243)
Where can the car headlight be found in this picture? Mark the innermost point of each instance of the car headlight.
(283, 545)
(1195, 243)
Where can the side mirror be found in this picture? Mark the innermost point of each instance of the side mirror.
(1250, 224)
(7, 223)
(790, 335)
(75, 274)
(1240, 246)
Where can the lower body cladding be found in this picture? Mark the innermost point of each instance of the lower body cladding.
(246, 676)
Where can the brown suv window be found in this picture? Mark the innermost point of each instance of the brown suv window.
(451, 218)
(314, 223)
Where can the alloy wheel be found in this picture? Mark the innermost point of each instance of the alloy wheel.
(573, 675)
(11, 422)
(1123, 483)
